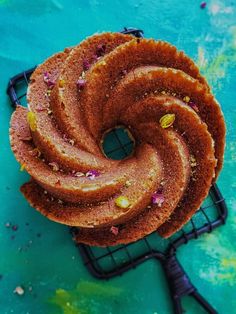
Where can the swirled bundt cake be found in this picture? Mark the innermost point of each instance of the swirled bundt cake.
(159, 95)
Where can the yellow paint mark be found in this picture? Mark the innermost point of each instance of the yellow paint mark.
(229, 262)
(215, 67)
(78, 300)
(202, 61)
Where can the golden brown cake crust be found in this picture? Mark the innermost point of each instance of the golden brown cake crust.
(89, 194)
(184, 80)
(103, 213)
(155, 91)
(66, 103)
(48, 137)
(104, 75)
(200, 145)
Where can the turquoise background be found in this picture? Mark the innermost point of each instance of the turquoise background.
(42, 257)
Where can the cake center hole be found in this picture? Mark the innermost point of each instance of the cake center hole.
(118, 143)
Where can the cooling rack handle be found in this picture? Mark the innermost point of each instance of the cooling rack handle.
(180, 285)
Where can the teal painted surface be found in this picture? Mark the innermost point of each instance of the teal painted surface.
(50, 264)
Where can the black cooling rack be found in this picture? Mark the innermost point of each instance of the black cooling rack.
(105, 263)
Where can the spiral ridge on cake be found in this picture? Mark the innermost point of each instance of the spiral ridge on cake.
(153, 90)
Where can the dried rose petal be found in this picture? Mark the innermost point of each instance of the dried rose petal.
(81, 84)
(86, 65)
(25, 138)
(50, 83)
(19, 290)
(45, 77)
(14, 227)
(95, 58)
(203, 5)
(65, 137)
(54, 166)
(157, 198)
(101, 49)
(193, 106)
(40, 108)
(114, 230)
(92, 174)
(124, 72)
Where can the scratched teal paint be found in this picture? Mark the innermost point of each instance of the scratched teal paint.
(31, 31)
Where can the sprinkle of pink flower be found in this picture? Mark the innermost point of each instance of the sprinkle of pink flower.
(157, 198)
(92, 174)
(14, 228)
(124, 72)
(101, 49)
(19, 290)
(193, 106)
(50, 83)
(64, 136)
(86, 65)
(95, 58)
(25, 138)
(114, 230)
(40, 108)
(45, 77)
(80, 84)
(203, 5)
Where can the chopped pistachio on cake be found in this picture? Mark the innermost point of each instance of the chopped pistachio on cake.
(167, 120)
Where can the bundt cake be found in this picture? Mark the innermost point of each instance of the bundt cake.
(159, 95)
